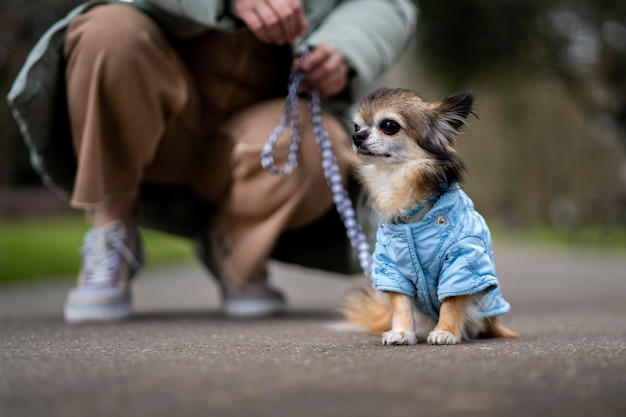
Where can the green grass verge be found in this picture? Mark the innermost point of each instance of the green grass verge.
(611, 239)
(32, 249)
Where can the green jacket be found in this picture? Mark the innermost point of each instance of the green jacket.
(381, 31)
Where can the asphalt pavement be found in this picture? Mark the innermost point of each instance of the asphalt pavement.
(178, 356)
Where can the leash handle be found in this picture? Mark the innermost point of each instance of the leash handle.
(288, 117)
(341, 198)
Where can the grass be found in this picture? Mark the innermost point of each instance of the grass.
(33, 249)
(611, 239)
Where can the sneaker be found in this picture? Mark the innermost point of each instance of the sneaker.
(255, 300)
(239, 300)
(112, 255)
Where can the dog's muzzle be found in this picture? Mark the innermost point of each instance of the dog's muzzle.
(359, 137)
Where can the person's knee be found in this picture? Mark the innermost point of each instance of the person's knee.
(112, 30)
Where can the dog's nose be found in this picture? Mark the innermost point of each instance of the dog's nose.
(359, 137)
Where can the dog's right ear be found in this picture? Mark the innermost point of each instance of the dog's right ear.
(453, 110)
(449, 115)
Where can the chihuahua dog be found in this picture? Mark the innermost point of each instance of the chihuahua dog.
(433, 268)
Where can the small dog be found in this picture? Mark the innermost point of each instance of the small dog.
(433, 250)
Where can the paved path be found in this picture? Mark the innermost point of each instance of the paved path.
(179, 357)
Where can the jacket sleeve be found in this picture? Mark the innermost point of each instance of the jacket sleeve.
(187, 18)
(371, 34)
(206, 12)
(467, 269)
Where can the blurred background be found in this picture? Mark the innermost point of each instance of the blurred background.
(546, 155)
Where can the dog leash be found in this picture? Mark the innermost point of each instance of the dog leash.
(289, 118)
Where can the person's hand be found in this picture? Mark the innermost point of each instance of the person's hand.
(272, 21)
(325, 67)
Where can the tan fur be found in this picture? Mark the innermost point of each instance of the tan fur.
(398, 196)
(368, 308)
(451, 326)
(405, 146)
(452, 315)
(402, 327)
(493, 328)
(373, 311)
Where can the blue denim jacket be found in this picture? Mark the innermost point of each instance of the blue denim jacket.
(448, 253)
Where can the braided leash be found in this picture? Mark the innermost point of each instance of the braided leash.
(289, 117)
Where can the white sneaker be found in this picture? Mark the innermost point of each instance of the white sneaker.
(253, 301)
(239, 300)
(112, 255)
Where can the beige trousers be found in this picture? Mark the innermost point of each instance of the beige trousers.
(147, 108)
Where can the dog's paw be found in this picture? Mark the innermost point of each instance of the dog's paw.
(393, 337)
(442, 337)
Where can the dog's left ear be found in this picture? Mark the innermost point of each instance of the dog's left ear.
(452, 111)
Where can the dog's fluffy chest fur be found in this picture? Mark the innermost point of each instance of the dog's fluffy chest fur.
(392, 188)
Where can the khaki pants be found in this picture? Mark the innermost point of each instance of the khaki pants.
(147, 108)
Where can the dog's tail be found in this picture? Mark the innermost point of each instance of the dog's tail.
(493, 328)
(368, 308)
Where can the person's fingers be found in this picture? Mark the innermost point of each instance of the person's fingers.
(331, 64)
(273, 21)
(246, 10)
(328, 87)
(299, 18)
(287, 21)
(326, 68)
(332, 85)
(314, 58)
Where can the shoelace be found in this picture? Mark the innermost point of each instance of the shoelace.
(341, 198)
(102, 253)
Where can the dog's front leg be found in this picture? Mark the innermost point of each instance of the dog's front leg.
(449, 330)
(402, 332)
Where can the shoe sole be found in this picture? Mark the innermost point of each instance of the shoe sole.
(97, 313)
(253, 308)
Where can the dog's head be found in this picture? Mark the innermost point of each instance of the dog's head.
(397, 126)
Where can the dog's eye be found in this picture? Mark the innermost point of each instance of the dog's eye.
(356, 128)
(389, 127)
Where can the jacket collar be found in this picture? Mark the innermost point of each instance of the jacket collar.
(436, 202)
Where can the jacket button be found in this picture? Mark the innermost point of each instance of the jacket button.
(382, 225)
(441, 220)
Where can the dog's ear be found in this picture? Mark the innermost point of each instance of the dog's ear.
(445, 119)
(451, 112)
